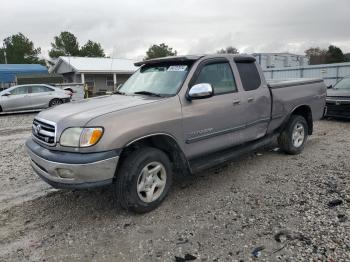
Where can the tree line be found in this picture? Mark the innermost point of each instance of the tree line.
(19, 49)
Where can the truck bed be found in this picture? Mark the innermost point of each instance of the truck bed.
(289, 94)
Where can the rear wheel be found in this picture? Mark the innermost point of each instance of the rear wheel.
(144, 180)
(55, 102)
(292, 139)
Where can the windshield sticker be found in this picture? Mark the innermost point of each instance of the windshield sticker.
(177, 68)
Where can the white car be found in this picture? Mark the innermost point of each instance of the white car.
(30, 97)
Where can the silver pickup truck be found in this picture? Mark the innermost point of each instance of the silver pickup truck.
(175, 115)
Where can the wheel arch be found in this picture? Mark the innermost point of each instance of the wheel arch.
(305, 111)
(164, 142)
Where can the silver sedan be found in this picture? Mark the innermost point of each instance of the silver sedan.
(30, 97)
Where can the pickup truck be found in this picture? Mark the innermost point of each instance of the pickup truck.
(174, 116)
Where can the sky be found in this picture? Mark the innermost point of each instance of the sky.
(126, 29)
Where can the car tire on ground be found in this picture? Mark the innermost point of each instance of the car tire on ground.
(293, 137)
(55, 102)
(143, 180)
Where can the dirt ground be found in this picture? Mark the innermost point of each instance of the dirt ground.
(266, 206)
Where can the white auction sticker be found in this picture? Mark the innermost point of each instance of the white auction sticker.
(177, 68)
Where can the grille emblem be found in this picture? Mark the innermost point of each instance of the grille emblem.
(37, 129)
(338, 103)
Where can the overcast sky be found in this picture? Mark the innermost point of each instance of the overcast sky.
(127, 28)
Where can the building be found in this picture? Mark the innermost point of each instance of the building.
(280, 60)
(99, 74)
(9, 72)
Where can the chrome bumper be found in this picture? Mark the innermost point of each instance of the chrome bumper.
(74, 176)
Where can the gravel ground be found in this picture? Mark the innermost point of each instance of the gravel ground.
(263, 207)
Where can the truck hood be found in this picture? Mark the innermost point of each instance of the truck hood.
(338, 92)
(80, 112)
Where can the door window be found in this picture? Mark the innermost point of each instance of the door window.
(41, 89)
(22, 90)
(220, 76)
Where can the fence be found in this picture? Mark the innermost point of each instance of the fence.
(331, 73)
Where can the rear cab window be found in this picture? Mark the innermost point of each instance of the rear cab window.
(249, 74)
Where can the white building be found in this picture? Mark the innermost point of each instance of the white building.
(280, 60)
(100, 74)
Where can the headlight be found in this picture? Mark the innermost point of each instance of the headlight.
(81, 137)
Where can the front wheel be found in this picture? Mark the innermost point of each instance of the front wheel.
(144, 180)
(293, 137)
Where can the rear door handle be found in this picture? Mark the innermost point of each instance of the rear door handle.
(236, 102)
(250, 99)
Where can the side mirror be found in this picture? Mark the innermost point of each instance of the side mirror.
(200, 91)
(6, 94)
(330, 87)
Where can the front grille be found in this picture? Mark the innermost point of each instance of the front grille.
(44, 131)
(338, 110)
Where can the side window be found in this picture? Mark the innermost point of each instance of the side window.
(22, 90)
(249, 75)
(40, 89)
(219, 75)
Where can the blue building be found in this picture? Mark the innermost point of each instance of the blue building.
(8, 72)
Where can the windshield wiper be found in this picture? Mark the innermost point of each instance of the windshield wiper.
(147, 93)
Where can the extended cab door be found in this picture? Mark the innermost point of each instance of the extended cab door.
(217, 122)
(257, 100)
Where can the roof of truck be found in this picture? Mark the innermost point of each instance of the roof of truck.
(237, 58)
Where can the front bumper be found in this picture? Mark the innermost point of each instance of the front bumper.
(338, 108)
(73, 170)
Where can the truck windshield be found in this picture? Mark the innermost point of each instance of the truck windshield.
(343, 84)
(158, 80)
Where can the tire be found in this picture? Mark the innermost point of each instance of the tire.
(297, 124)
(55, 102)
(137, 189)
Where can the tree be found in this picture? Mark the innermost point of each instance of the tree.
(20, 50)
(316, 55)
(66, 44)
(335, 55)
(228, 50)
(347, 56)
(161, 50)
(92, 49)
(2, 55)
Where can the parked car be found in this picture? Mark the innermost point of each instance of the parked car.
(338, 99)
(176, 115)
(29, 97)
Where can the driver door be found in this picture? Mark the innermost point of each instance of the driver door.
(218, 122)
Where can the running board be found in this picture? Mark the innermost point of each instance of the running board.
(214, 159)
